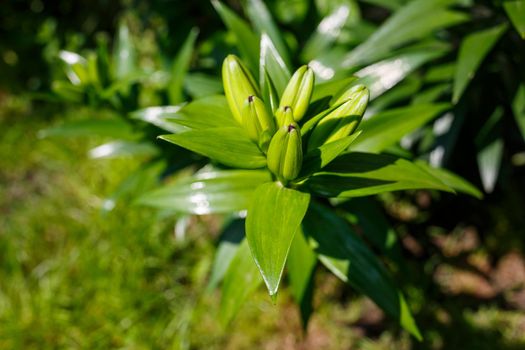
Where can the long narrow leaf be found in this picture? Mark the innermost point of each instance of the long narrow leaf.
(208, 192)
(344, 253)
(472, 51)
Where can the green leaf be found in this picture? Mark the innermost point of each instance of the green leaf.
(269, 94)
(124, 53)
(322, 156)
(263, 22)
(273, 64)
(209, 192)
(452, 180)
(409, 23)
(247, 40)
(201, 85)
(180, 67)
(120, 148)
(346, 256)
(229, 242)
(363, 174)
(388, 127)
(384, 75)
(136, 183)
(326, 32)
(518, 108)
(90, 127)
(273, 218)
(241, 279)
(229, 146)
(206, 113)
(472, 51)
(75, 67)
(332, 88)
(160, 117)
(372, 221)
(301, 267)
(516, 11)
(490, 150)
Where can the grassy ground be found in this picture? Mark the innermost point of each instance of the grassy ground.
(75, 277)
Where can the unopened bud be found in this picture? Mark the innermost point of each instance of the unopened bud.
(238, 84)
(299, 91)
(285, 153)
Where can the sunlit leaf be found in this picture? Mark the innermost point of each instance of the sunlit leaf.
(123, 149)
(261, 18)
(362, 174)
(124, 53)
(273, 64)
(229, 146)
(409, 23)
(326, 33)
(472, 51)
(347, 257)
(452, 180)
(274, 216)
(388, 127)
(382, 76)
(209, 192)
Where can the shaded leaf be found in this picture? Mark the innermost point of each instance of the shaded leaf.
(518, 108)
(180, 67)
(200, 85)
(372, 221)
(229, 242)
(229, 146)
(273, 218)
(347, 257)
(247, 40)
(362, 174)
(90, 127)
(301, 267)
(241, 279)
(516, 11)
(472, 51)
(209, 192)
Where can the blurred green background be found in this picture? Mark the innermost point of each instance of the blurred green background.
(82, 267)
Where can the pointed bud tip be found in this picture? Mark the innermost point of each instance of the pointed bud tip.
(291, 128)
(250, 98)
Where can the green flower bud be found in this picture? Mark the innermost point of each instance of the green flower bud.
(299, 91)
(343, 120)
(285, 153)
(256, 119)
(238, 84)
(284, 115)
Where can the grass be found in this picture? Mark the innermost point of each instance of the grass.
(75, 277)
